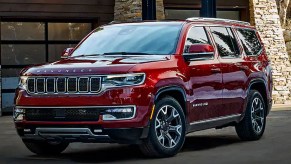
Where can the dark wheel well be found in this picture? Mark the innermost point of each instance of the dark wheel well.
(260, 87)
(176, 94)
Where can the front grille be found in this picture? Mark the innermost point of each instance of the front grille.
(63, 85)
(62, 114)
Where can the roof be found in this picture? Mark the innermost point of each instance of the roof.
(199, 20)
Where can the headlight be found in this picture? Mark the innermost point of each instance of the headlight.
(23, 82)
(123, 80)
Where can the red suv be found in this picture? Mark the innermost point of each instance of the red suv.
(147, 83)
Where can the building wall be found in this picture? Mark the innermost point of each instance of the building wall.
(54, 15)
(98, 9)
(264, 15)
(131, 10)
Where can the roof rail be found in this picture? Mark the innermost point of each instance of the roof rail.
(218, 20)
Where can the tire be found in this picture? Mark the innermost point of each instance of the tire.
(167, 130)
(253, 125)
(45, 148)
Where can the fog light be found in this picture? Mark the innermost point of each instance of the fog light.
(121, 113)
(18, 114)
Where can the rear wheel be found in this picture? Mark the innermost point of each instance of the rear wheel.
(45, 148)
(167, 130)
(252, 126)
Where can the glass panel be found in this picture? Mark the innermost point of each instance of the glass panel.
(184, 14)
(250, 41)
(22, 31)
(234, 15)
(181, 14)
(56, 50)
(13, 54)
(68, 31)
(196, 35)
(144, 38)
(11, 72)
(234, 42)
(223, 42)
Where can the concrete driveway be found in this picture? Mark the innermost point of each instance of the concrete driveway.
(211, 146)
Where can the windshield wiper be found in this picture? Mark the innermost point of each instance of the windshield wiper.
(84, 55)
(126, 53)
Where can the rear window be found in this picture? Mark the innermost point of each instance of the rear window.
(250, 41)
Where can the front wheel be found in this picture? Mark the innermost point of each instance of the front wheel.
(253, 125)
(45, 148)
(167, 130)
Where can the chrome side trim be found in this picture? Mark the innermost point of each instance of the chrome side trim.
(65, 132)
(213, 122)
(215, 119)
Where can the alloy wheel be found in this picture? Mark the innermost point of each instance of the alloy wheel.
(258, 115)
(168, 126)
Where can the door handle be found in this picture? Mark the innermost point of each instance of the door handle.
(215, 70)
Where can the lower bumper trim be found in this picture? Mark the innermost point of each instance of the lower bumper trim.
(86, 135)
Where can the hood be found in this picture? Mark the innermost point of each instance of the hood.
(91, 65)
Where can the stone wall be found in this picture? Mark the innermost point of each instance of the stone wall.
(264, 15)
(160, 9)
(128, 10)
(131, 10)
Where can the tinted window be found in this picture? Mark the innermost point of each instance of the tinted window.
(196, 35)
(250, 41)
(225, 42)
(144, 38)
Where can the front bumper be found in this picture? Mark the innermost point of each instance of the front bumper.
(84, 134)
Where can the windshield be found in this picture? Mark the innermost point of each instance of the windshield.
(129, 39)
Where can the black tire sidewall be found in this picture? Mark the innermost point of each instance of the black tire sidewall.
(255, 94)
(45, 148)
(152, 133)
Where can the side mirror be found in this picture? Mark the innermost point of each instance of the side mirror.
(199, 52)
(67, 52)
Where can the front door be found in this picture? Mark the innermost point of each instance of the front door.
(205, 80)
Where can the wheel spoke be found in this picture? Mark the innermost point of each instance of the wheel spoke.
(161, 138)
(177, 129)
(159, 123)
(174, 114)
(170, 139)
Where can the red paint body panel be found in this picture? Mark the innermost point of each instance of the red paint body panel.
(221, 83)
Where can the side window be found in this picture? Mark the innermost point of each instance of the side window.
(250, 41)
(196, 35)
(225, 42)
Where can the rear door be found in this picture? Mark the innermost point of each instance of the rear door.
(205, 79)
(233, 70)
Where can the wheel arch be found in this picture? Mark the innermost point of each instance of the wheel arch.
(260, 86)
(176, 92)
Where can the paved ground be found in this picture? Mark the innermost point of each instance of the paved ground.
(211, 146)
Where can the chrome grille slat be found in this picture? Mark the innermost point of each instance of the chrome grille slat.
(63, 85)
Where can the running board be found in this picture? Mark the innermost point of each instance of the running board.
(213, 123)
